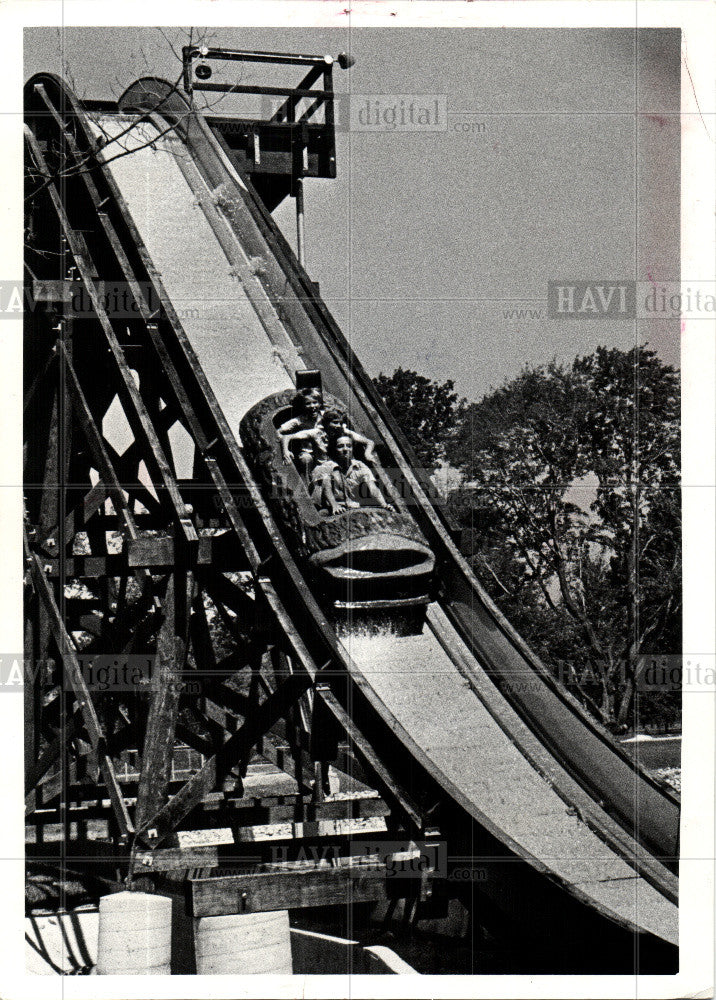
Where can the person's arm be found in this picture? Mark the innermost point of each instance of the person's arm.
(288, 439)
(284, 431)
(329, 497)
(375, 494)
(371, 487)
(368, 443)
(288, 426)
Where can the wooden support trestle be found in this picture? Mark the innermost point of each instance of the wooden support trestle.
(171, 705)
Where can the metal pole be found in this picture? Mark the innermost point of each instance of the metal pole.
(300, 234)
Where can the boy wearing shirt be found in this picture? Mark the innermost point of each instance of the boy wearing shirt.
(346, 482)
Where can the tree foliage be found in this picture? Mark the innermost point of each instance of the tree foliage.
(427, 412)
(573, 518)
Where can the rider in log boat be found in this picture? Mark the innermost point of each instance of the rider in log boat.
(311, 420)
(335, 504)
(345, 481)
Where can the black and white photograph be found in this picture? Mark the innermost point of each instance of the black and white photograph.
(358, 499)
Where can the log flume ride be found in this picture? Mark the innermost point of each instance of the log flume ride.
(574, 844)
(369, 559)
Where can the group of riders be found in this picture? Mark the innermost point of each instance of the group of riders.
(319, 442)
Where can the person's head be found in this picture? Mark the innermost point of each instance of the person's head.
(313, 401)
(332, 421)
(344, 450)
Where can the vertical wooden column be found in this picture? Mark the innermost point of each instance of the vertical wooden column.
(48, 508)
(323, 747)
(41, 412)
(166, 687)
(295, 726)
(31, 684)
(64, 444)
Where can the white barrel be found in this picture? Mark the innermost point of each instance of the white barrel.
(135, 935)
(243, 944)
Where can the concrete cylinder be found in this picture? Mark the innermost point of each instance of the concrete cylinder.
(135, 935)
(243, 944)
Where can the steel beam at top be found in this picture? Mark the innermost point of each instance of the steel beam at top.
(245, 55)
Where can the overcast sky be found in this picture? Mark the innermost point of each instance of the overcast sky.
(560, 160)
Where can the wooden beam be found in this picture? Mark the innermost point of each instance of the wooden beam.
(384, 781)
(166, 688)
(86, 803)
(286, 890)
(205, 729)
(224, 697)
(220, 588)
(153, 553)
(50, 466)
(37, 771)
(175, 859)
(84, 699)
(234, 750)
(345, 759)
(283, 757)
(38, 379)
(156, 556)
(216, 551)
(97, 446)
(32, 689)
(296, 647)
(127, 466)
(135, 411)
(194, 739)
(53, 290)
(90, 503)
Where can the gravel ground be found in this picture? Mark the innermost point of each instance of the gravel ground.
(671, 775)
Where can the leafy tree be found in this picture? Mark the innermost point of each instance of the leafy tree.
(428, 412)
(592, 584)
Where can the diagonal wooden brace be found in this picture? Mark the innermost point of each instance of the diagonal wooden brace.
(136, 412)
(384, 782)
(79, 686)
(163, 711)
(166, 820)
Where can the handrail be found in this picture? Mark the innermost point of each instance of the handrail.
(320, 66)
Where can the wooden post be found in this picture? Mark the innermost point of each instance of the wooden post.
(32, 684)
(300, 219)
(166, 686)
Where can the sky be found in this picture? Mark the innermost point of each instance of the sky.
(560, 160)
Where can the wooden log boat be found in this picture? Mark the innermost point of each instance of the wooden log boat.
(365, 558)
